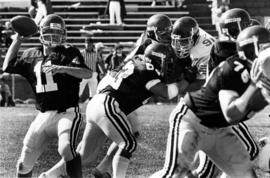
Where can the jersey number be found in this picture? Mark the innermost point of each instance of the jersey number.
(244, 75)
(126, 71)
(208, 42)
(50, 84)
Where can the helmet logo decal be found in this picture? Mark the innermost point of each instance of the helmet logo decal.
(232, 20)
(152, 28)
(162, 56)
(55, 25)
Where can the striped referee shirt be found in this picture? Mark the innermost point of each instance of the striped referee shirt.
(90, 59)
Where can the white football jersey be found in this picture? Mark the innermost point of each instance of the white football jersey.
(200, 52)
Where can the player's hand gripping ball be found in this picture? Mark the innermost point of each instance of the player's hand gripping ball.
(23, 25)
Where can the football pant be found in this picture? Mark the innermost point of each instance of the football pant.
(187, 136)
(49, 124)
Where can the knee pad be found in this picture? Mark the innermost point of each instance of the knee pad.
(66, 151)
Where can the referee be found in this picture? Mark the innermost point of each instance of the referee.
(91, 58)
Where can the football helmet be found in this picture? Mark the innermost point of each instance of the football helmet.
(185, 33)
(160, 56)
(220, 51)
(159, 28)
(52, 30)
(251, 41)
(233, 21)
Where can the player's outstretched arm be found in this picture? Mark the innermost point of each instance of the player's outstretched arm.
(77, 72)
(13, 50)
(168, 91)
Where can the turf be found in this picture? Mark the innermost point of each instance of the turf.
(148, 158)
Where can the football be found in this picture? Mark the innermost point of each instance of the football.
(23, 25)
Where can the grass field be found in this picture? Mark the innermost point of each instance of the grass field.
(148, 158)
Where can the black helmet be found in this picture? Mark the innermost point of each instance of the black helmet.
(159, 28)
(233, 21)
(220, 51)
(52, 30)
(161, 57)
(252, 40)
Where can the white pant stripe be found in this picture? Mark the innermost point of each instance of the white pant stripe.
(172, 145)
(127, 127)
(254, 150)
(110, 116)
(241, 130)
(123, 128)
(207, 169)
(75, 128)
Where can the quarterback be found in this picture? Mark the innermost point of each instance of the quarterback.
(54, 72)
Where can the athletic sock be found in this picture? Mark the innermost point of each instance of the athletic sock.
(106, 163)
(74, 167)
(57, 170)
(120, 165)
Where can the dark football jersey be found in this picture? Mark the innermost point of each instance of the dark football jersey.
(232, 74)
(52, 92)
(128, 84)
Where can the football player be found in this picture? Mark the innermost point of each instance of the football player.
(158, 30)
(203, 119)
(54, 72)
(189, 40)
(228, 24)
(126, 89)
(260, 74)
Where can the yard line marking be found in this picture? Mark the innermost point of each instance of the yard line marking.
(27, 114)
